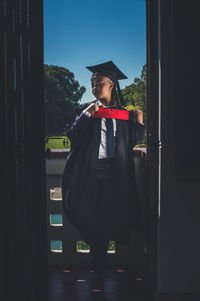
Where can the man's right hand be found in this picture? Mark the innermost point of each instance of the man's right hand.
(92, 108)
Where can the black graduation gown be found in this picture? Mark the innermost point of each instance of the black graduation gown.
(79, 184)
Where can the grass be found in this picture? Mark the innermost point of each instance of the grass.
(56, 142)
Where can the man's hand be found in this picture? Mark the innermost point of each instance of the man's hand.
(139, 115)
(92, 108)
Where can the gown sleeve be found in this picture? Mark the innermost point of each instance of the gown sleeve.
(78, 128)
(136, 129)
(139, 131)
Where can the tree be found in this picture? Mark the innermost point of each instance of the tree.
(61, 94)
(135, 96)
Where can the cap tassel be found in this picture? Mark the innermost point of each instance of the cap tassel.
(120, 94)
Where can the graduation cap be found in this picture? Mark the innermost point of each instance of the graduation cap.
(110, 70)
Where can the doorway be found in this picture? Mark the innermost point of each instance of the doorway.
(133, 94)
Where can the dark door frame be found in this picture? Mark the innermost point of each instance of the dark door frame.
(23, 194)
(23, 154)
(152, 50)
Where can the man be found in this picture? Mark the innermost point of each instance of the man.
(99, 189)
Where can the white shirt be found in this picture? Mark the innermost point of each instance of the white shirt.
(103, 143)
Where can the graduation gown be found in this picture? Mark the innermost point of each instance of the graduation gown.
(79, 184)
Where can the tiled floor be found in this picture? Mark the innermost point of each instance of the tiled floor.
(81, 284)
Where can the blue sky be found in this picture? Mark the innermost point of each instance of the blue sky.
(83, 33)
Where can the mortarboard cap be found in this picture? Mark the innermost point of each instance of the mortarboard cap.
(110, 70)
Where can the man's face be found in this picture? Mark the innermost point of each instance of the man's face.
(102, 87)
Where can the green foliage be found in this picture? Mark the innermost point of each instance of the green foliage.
(81, 245)
(135, 94)
(111, 245)
(61, 94)
(131, 108)
(135, 97)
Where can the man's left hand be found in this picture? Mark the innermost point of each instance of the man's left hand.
(139, 115)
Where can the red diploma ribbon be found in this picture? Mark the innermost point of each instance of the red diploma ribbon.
(111, 113)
